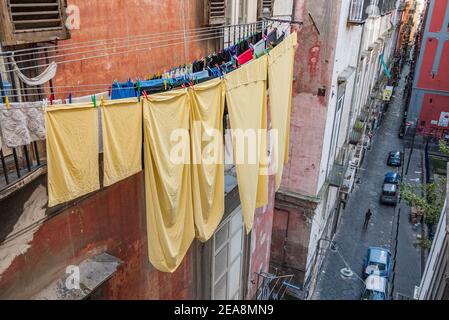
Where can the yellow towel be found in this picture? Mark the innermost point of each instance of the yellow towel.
(207, 107)
(122, 139)
(246, 101)
(72, 152)
(170, 225)
(280, 75)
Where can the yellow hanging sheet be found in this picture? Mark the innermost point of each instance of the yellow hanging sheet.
(170, 225)
(72, 152)
(246, 101)
(280, 75)
(207, 107)
(122, 139)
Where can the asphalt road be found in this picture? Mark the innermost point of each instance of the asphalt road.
(383, 230)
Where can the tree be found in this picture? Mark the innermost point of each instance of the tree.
(427, 197)
(430, 197)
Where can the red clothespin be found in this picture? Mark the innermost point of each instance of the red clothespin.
(145, 95)
(52, 97)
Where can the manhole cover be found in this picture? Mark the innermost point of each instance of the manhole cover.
(346, 272)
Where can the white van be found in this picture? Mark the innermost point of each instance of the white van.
(376, 288)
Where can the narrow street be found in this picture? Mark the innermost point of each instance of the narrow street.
(353, 241)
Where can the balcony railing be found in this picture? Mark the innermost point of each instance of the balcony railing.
(17, 164)
(360, 10)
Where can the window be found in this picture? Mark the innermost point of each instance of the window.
(265, 8)
(216, 10)
(31, 21)
(227, 266)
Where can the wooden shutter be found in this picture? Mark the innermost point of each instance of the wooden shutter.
(32, 21)
(265, 8)
(216, 12)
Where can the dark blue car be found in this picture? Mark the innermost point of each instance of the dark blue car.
(394, 159)
(392, 178)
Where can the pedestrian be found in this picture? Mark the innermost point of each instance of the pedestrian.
(368, 215)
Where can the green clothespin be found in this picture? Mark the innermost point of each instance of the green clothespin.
(94, 101)
(138, 90)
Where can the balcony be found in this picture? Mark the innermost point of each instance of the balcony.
(19, 166)
(360, 10)
(337, 175)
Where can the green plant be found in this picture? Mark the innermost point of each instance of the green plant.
(444, 147)
(428, 197)
(425, 244)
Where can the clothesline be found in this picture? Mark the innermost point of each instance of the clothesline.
(183, 37)
(106, 87)
(191, 39)
(165, 39)
(96, 42)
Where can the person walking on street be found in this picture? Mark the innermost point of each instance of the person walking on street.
(368, 215)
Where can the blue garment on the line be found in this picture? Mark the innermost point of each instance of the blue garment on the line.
(123, 90)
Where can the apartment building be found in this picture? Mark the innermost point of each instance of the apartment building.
(428, 111)
(104, 233)
(435, 280)
(340, 72)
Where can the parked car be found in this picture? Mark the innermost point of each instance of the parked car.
(377, 262)
(390, 194)
(395, 159)
(392, 177)
(376, 288)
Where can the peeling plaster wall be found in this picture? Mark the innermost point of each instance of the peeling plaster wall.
(313, 70)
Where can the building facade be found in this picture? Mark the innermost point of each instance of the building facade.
(435, 279)
(106, 230)
(336, 107)
(428, 111)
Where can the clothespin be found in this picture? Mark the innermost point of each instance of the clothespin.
(94, 101)
(145, 95)
(45, 102)
(102, 101)
(70, 98)
(8, 106)
(219, 70)
(165, 85)
(138, 90)
(52, 97)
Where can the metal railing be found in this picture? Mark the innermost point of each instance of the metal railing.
(275, 287)
(17, 163)
(233, 34)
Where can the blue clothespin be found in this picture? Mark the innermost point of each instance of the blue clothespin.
(70, 98)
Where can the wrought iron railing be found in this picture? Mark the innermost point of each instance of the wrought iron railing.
(17, 163)
(232, 34)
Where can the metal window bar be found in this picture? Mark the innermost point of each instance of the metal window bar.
(13, 167)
